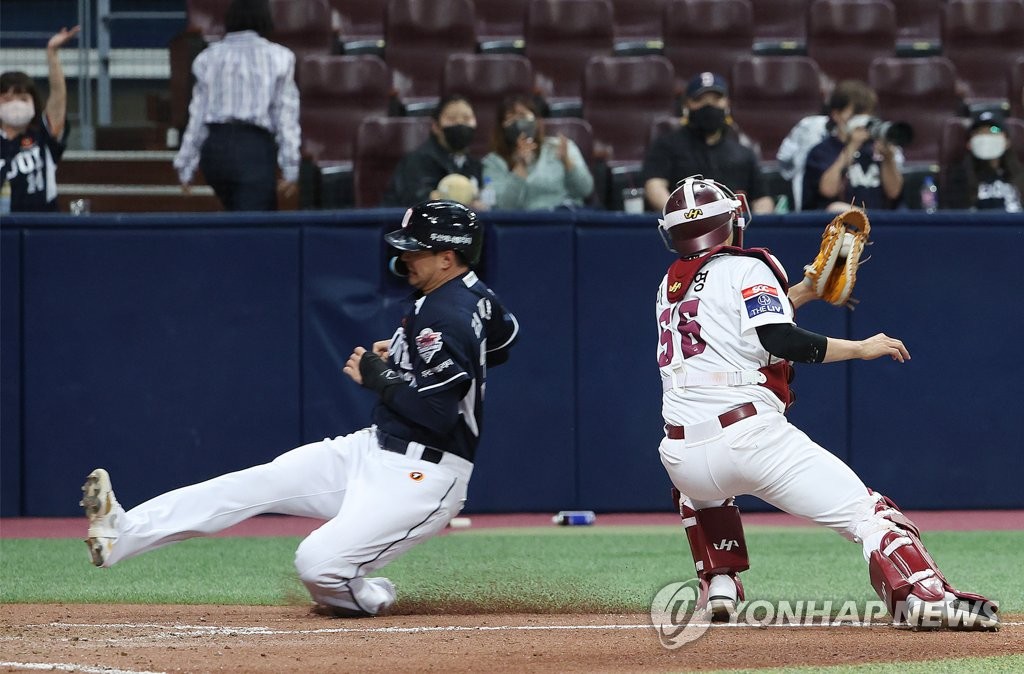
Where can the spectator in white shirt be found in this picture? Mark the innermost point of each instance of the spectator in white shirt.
(244, 115)
(850, 97)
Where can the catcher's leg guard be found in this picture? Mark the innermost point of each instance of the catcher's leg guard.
(719, 551)
(908, 580)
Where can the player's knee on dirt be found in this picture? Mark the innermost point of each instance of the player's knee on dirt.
(323, 571)
(716, 539)
(899, 565)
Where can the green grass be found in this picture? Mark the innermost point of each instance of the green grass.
(613, 569)
(1006, 664)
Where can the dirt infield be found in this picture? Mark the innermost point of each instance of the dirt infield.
(132, 639)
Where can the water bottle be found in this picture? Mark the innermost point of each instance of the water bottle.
(929, 195)
(782, 204)
(5, 198)
(487, 195)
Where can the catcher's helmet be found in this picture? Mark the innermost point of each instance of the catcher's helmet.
(440, 225)
(701, 214)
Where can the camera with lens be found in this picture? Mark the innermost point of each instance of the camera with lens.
(894, 133)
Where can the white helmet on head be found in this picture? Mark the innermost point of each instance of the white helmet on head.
(701, 214)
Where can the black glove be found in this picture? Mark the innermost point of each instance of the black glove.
(376, 374)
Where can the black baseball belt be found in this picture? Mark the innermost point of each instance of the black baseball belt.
(397, 445)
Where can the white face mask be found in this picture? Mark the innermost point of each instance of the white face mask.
(988, 145)
(17, 113)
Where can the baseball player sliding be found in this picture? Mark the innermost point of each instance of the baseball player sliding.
(385, 488)
(726, 339)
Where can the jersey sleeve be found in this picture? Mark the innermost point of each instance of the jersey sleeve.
(761, 298)
(443, 349)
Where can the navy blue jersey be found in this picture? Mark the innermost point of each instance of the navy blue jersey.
(443, 347)
(29, 163)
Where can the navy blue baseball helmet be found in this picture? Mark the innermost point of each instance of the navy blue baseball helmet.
(440, 225)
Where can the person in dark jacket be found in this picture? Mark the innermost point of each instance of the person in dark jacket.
(443, 153)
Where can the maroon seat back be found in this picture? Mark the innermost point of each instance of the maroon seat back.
(918, 20)
(360, 19)
(844, 36)
(304, 27)
(561, 36)
(1015, 80)
(638, 20)
(338, 92)
(983, 38)
(381, 142)
(769, 94)
(621, 96)
(500, 19)
(420, 35)
(920, 91)
(707, 35)
(780, 20)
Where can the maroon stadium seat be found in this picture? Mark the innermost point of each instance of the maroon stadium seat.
(844, 36)
(360, 21)
(500, 20)
(983, 38)
(621, 96)
(1016, 83)
(769, 94)
(304, 27)
(381, 142)
(918, 20)
(707, 35)
(921, 91)
(420, 35)
(780, 20)
(486, 79)
(638, 20)
(561, 36)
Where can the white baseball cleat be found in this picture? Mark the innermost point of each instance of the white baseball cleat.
(722, 595)
(103, 510)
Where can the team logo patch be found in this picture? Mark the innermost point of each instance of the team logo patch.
(428, 343)
(675, 287)
(416, 476)
(693, 213)
(761, 299)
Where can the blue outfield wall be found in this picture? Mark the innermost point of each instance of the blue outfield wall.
(172, 348)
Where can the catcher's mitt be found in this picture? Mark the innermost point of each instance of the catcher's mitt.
(834, 271)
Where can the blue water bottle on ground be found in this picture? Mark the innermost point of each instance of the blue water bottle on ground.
(575, 518)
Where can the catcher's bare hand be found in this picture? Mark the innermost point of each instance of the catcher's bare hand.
(883, 345)
(352, 366)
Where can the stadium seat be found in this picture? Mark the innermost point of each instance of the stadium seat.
(359, 24)
(206, 17)
(621, 97)
(638, 21)
(304, 27)
(419, 37)
(921, 91)
(486, 79)
(726, 33)
(780, 25)
(500, 25)
(380, 143)
(769, 94)
(1016, 83)
(918, 26)
(844, 36)
(983, 38)
(561, 36)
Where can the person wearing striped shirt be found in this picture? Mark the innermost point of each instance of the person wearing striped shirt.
(244, 115)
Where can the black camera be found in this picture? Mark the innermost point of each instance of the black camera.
(894, 133)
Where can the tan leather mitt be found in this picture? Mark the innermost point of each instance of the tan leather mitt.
(834, 271)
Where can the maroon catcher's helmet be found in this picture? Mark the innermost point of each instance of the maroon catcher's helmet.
(701, 214)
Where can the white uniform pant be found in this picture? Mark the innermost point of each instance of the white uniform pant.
(768, 457)
(378, 504)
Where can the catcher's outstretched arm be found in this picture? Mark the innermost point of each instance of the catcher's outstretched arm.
(802, 293)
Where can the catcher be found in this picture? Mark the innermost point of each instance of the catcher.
(727, 336)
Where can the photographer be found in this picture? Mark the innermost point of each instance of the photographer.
(859, 163)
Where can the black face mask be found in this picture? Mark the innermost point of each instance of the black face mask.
(707, 119)
(458, 136)
(525, 127)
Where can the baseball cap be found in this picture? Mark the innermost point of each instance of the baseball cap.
(705, 82)
(988, 118)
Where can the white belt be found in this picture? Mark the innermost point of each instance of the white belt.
(692, 379)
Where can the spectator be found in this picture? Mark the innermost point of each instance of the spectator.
(529, 171)
(990, 175)
(31, 142)
(852, 97)
(244, 115)
(850, 167)
(706, 144)
(443, 153)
